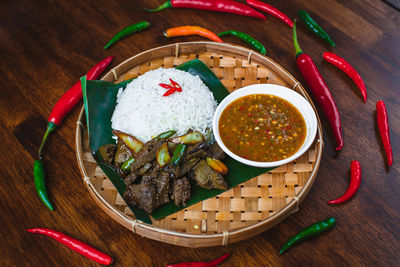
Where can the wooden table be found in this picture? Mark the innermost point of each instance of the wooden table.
(47, 45)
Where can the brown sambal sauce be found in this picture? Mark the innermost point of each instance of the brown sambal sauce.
(262, 128)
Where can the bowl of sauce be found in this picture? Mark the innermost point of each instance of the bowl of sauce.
(264, 125)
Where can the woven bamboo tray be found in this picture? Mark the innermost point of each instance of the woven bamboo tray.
(239, 213)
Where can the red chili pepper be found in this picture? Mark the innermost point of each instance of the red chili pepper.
(212, 263)
(270, 10)
(75, 245)
(319, 89)
(342, 64)
(383, 125)
(166, 86)
(170, 92)
(227, 6)
(172, 88)
(355, 181)
(69, 100)
(176, 85)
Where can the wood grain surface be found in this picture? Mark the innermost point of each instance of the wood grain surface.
(47, 45)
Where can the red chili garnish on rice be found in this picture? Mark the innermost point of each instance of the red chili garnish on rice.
(175, 87)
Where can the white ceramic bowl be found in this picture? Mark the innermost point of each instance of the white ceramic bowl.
(270, 89)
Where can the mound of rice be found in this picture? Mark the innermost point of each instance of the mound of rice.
(144, 112)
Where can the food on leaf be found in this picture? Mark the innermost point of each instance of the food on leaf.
(217, 165)
(122, 153)
(154, 178)
(189, 138)
(107, 152)
(163, 157)
(132, 142)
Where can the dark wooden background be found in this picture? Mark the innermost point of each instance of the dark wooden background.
(45, 46)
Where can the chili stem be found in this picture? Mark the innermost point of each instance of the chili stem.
(163, 6)
(295, 41)
(51, 127)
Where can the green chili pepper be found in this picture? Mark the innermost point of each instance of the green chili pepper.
(164, 135)
(40, 183)
(248, 39)
(178, 154)
(306, 233)
(314, 27)
(126, 166)
(137, 27)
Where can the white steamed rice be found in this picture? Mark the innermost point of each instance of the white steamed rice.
(144, 112)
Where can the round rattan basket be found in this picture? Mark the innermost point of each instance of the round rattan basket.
(239, 213)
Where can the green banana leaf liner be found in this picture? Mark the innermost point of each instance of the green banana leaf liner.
(100, 100)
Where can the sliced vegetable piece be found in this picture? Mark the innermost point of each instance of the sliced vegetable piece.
(126, 166)
(122, 153)
(132, 142)
(163, 157)
(217, 165)
(164, 135)
(178, 154)
(189, 138)
(107, 152)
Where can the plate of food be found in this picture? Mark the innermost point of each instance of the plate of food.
(146, 149)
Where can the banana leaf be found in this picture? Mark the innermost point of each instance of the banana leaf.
(100, 100)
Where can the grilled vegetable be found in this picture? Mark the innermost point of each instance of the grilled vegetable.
(126, 166)
(178, 154)
(134, 144)
(189, 138)
(164, 135)
(217, 165)
(107, 152)
(122, 153)
(163, 157)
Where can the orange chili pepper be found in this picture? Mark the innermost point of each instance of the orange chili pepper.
(217, 165)
(192, 30)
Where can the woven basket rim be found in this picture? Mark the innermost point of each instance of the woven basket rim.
(134, 224)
